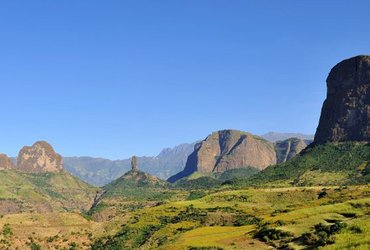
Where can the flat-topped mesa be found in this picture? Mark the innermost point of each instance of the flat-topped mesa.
(134, 165)
(345, 115)
(5, 162)
(39, 158)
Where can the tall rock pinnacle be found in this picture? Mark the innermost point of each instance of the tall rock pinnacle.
(345, 115)
(134, 165)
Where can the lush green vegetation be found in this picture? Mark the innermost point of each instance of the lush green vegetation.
(286, 218)
(47, 191)
(330, 164)
(214, 180)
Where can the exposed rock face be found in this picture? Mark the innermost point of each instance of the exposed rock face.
(39, 158)
(345, 115)
(228, 149)
(287, 149)
(134, 166)
(5, 162)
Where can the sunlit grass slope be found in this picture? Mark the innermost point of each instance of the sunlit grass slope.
(296, 218)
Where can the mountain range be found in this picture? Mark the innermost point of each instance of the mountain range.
(319, 195)
(99, 171)
(170, 161)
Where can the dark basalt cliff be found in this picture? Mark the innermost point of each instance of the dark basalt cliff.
(345, 115)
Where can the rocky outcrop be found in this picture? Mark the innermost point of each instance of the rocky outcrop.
(134, 165)
(287, 149)
(345, 115)
(5, 162)
(228, 149)
(39, 158)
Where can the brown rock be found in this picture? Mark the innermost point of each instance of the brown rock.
(228, 149)
(39, 158)
(5, 162)
(345, 115)
(287, 149)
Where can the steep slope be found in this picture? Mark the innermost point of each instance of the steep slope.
(228, 149)
(99, 171)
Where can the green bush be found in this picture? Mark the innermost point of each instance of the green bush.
(267, 234)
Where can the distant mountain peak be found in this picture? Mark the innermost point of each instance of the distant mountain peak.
(280, 136)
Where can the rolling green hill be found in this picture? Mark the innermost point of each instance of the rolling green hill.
(43, 192)
(263, 218)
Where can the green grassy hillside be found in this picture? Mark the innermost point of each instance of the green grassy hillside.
(329, 164)
(213, 180)
(133, 190)
(284, 218)
(46, 192)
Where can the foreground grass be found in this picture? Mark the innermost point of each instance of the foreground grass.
(252, 218)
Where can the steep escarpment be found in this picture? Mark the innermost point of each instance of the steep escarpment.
(345, 115)
(39, 158)
(228, 149)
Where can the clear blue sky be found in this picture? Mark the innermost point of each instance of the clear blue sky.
(116, 78)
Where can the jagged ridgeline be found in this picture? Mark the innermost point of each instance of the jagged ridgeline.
(37, 182)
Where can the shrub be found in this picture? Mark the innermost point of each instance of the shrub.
(266, 234)
(7, 231)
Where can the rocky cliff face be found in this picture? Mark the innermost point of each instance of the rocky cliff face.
(39, 158)
(228, 149)
(345, 115)
(287, 149)
(5, 162)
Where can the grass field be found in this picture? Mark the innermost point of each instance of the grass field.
(289, 218)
